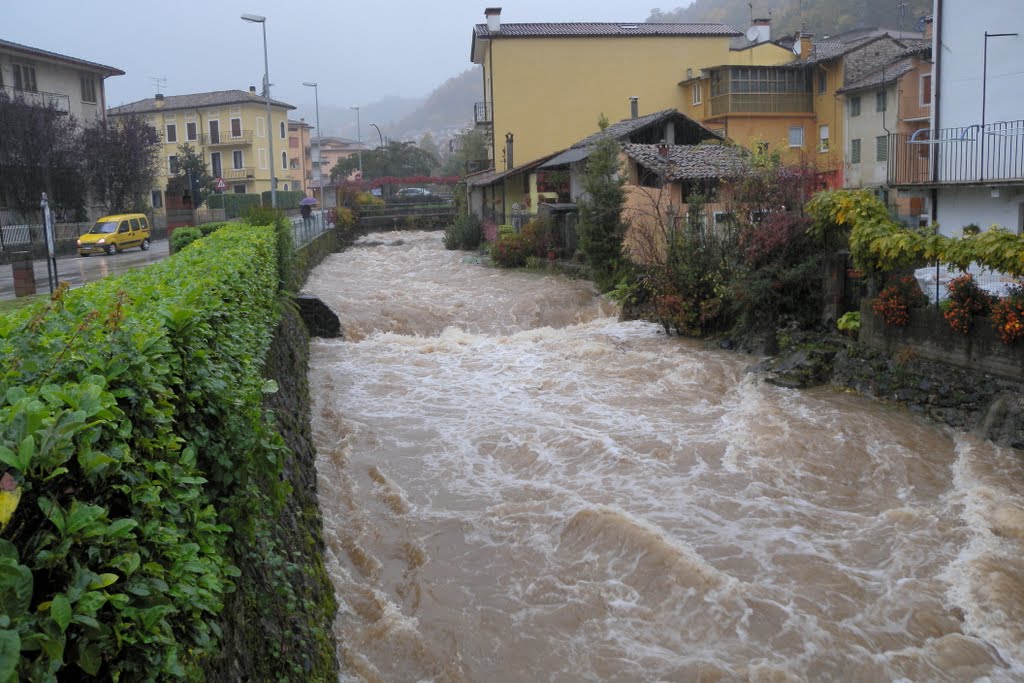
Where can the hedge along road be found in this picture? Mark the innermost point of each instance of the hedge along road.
(79, 270)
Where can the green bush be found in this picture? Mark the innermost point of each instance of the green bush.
(285, 200)
(132, 423)
(210, 228)
(234, 205)
(182, 237)
(465, 233)
(510, 250)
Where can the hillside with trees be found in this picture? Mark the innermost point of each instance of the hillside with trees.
(821, 17)
(449, 106)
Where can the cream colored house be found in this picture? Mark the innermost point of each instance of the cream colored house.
(74, 86)
(230, 129)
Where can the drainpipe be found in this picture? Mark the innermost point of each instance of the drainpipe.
(936, 90)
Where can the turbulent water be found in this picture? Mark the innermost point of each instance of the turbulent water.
(518, 487)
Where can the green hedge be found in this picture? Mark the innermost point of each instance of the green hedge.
(184, 236)
(132, 424)
(285, 200)
(234, 205)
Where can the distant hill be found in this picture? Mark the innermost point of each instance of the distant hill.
(341, 121)
(449, 106)
(821, 17)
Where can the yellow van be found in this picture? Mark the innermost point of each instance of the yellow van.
(112, 234)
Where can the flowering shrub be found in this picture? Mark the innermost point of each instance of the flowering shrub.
(510, 250)
(966, 300)
(1008, 316)
(490, 229)
(895, 301)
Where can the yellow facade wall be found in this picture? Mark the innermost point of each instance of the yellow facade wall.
(550, 92)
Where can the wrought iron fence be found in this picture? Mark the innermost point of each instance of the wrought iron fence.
(934, 280)
(970, 154)
(306, 229)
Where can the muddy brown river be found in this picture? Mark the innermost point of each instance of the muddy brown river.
(518, 487)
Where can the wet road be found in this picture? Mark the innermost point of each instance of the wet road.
(79, 270)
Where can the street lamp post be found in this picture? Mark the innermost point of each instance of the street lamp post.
(379, 134)
(262, 21)
(319, 142)
(359, 141)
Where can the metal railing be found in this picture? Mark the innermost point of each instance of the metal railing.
(239, 173)
(970, 154)
(762, 103)
(306, 229)
(61, 103)
(482, 113)
(934, 280)
(224, 139)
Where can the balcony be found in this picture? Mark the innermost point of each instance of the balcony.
(911, 109)
(227, 140)
(958, 156)
(247, 173)
(60, 103)
(762, 103)
(482, 114)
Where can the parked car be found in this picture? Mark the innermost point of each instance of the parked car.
(413, 192)
(112, 234)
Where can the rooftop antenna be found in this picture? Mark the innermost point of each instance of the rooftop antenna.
(903, 15)
(159, 82)
(751, 6)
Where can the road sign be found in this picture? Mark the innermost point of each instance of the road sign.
(220, 185)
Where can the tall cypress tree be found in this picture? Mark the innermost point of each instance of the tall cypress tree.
(601, 226)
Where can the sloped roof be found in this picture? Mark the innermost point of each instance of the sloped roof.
(604, 29)
(626, 127)
(56, 56)
(690, 162)
(194, 101)
(491, 176)
(880, 76)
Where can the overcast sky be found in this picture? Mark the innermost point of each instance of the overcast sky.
(358, 52)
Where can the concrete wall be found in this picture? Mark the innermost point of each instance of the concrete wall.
(960, 206)
(931, 337)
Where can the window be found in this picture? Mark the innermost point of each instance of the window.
(295, 163)
(286, 187)
(822, 82)
(158, 199)
(24, 77)
(214, 132)
(695, 93)
(855, 151)
(261, 127)
(236, 160)
(238, 189)
(263, 158)
(172, 164)
(880, 100)
(881, 148)
(236, 128)
(215, 167)
(172, 132)
(855, 106)
(823, 138)
(284, 131)
(191, 131)
(284, 160)
(88, 89)
(796, 136)
(926, 90)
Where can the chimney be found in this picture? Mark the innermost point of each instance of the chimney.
(663, 149)
(764, 30)
(159, 103)
(928, 28)
(252, 89)
(806, 44)
(493, 15)
(634, 107)
(508, 151)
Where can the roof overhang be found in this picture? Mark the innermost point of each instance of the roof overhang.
(567, 157)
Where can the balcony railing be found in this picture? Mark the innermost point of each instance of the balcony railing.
(970, 155)
(482, 113)
(239, 173)
(60, 103)
(912, 109)
(225, 139)
(762, 103)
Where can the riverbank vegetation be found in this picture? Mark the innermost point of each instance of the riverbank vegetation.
(143, 479)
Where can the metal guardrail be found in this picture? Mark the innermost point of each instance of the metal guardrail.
(482, 113)
(305, 230)
(969, 154)
(226, 139)
(61, 103)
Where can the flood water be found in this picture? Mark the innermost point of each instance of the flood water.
(518, 487)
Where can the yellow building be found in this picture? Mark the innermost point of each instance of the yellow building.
(545, 85)
(300, 159)
(229, 129)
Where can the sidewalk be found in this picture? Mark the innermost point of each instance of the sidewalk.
(79, 270)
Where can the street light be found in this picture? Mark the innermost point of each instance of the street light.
(319, 142)
(257, 19)
(379, 134)
(359, 140)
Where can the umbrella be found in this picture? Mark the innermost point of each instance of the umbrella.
(308, 201)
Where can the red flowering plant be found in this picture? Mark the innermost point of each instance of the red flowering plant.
(1008, 315)
(894, 302)
(966, 300)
